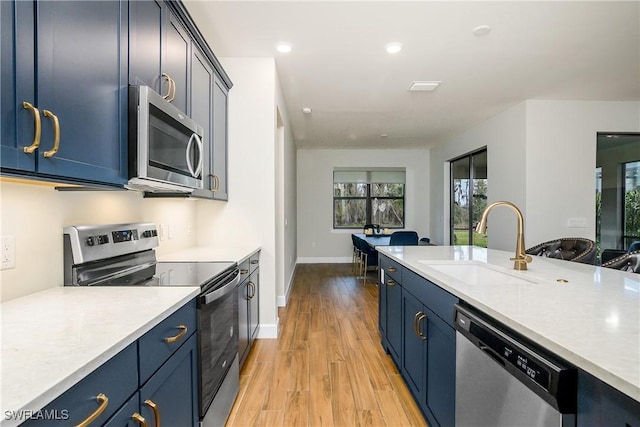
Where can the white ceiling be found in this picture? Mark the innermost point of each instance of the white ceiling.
(339, 68)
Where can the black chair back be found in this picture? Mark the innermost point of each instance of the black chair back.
(576, 249)
(404, 238)
(627, 262)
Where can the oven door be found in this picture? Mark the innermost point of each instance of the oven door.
(218, 335)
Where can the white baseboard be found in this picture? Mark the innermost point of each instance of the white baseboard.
(268, 331)
(324, 260)
(282, 300)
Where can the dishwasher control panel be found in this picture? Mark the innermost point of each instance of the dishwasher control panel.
(549, 377)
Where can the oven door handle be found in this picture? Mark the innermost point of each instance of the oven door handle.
(221, 291)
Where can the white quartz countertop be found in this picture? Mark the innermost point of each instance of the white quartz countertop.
(210, 254)
(52, 339)
(592, 320)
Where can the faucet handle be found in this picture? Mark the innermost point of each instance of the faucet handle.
(525, 258)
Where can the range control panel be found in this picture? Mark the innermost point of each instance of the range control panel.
(86, 243)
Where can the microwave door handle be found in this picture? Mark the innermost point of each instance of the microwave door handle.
(189, 165)
(200, 155)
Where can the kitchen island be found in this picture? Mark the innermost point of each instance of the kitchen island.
(586, 315)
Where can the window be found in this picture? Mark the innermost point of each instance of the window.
(368, 197)
(617, 190)
(468, 198)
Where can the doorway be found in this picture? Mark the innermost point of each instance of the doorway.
(469, 187)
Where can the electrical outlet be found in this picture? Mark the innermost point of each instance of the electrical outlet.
(163, 232)
(8, 252)
(170, 233)
(577, 223)
(189, 229)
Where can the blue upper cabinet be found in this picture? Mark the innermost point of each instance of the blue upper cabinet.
(160, 51)
(66, 90)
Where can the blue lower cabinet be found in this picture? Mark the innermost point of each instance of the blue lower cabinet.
(128, 415)
(416, 325)
(394, 319)
(441, 369)
(103, 391)
(601, 405)
(171, 394)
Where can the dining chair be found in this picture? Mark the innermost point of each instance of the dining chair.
(404, 238)
(368, 258)
(355, 256)
(626, 262)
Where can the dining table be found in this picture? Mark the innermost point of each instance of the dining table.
(374, 240)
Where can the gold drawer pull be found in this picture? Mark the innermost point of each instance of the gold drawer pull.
(243, 271)
(183, 331)
(37, 128)
(254, 261)
(56, 134)
(253, 290)
(103, 402)
(419, 327)
(156, 411)
(391, 269)
(391, 283)
(139, 419)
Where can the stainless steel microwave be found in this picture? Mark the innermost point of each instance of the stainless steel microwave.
(165, 146)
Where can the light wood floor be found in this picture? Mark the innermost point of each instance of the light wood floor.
(327, 366)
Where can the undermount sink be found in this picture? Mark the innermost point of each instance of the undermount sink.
(474, 273)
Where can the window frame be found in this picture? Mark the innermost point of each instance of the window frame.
(369, 202)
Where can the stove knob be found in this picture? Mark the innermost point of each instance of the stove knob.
(90, 241)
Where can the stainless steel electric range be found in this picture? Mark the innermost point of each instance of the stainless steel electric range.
(124, 255)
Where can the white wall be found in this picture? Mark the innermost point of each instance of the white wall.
(561, 161)
(286, 210)
(541, 156)
(317, 241)
(504, 137)
(249, 217)
(36, 214)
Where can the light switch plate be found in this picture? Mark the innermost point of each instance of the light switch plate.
(8, 252)
(577, 223)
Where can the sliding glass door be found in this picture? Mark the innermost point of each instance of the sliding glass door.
(468, 198)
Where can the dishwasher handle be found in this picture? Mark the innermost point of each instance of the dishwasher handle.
(227, 284)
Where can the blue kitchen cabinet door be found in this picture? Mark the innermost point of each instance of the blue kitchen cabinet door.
(219, 141)
(394, 319)
(440, 390)
(243, 315)
(159, 45)
(173, 389)
(414, 349)
(17, 124)
(601, 405)
(125, 415)
(382, 306)
(80, 78)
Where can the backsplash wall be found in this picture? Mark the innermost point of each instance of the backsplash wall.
(35, 215)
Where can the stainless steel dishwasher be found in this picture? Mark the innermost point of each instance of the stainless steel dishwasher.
(503, 381)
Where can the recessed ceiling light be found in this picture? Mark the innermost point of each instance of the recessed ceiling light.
(393, 47)
(284, 47)
(481, 30)
(384, 135)
(306, 110)
(424, 86)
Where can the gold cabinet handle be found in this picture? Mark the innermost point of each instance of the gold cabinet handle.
(166, 76)
(171, 94)
(56, 134)
(419, 328)
(391, 283)
(103, 402)
(248, 295)
(183, 331)
(415, 324)
(156, 411)
(37, 128)
(139, 419)
(391, 269)
(243, 271)
(254, 261)
(216, 182)
(253, 290)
